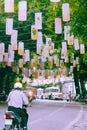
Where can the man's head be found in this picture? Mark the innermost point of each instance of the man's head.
(17, 85)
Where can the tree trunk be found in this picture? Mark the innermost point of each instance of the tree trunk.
(76, 80)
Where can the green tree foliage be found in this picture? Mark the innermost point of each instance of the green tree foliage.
(50, 10)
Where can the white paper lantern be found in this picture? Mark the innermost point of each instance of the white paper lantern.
(14, 36)
(64, 45)
(76, 44)
(38, 20)
(9, 49)
(58, 26)
(27, 55)
(71, 40)
(22, 11)
(82, 49)
(21, 48)
(11, 56)
(66, 12)
(39, 39)
(20, 63)
(2, 49)
(51, 51)
(39, 42)
(66, 32)
(48, 40)
(1, 58)
(9, 6)
(5, 57)
(9, 26)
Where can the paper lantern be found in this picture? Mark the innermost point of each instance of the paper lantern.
(1, 58)
(50, 74)
(9, 49)
(9, 26)
(30, 72)
(65, 12)
(14, 36)
(76, 44)
(66, 32)
(64, 45)
(43, 58)
(50, 61)
(25, 72)
(45, 52)
(78, 67)
(58, 26)
(61, 63)
(5, 57)
(48, 44)
(48, 40)
(40, 63)
(38, 20)
(35, 74)
(77, 60)
(38, 49)
(74, 63)
(64, 49)
(34, 32)
(59, 71)
(27, 55)
(64, 72)
(39, 42)
(2, 49)
(22, 11)
(71, 40)
(43, 73)
(20, 64)
(48, 47)
(39, 39)
(63, 53)
(56, 60)
(21, 48)
(9, 6)
(51, 51)
(33, 63)
(66, 59)
(71, 69)
(11, 56)
(82, 49)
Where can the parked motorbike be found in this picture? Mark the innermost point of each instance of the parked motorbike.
(12, 121)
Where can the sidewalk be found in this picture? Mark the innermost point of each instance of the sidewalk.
(82, 123)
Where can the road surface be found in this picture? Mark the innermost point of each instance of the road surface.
(50, 115)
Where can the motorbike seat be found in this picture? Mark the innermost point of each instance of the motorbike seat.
(14, 116)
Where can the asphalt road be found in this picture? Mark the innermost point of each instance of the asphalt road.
(50, 115)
